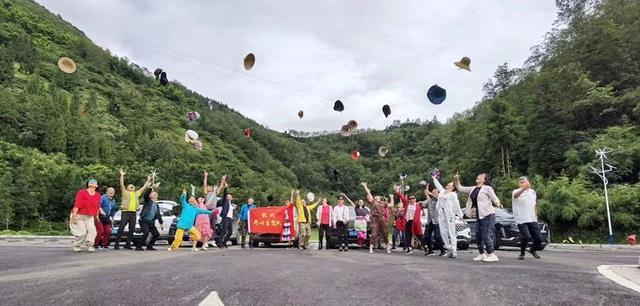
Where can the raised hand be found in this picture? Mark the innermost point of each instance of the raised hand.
(364, 184)
(206, 173)
(456, 177)
(122, 173)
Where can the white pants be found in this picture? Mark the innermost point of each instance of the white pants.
(84, 230)
(448, 232)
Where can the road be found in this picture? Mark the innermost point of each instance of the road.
(36, 273)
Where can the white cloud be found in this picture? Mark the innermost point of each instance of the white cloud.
(310, 53)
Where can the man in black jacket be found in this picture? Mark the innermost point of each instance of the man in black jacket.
(148, 216)
(226, 215)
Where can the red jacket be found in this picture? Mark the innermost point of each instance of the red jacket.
(416, 227)
(87, 204)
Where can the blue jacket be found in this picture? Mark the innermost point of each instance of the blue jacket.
(244, 212)
(108, 205)
(189, 213)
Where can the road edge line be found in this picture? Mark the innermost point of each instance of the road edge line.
(605, 270)
(212, 300)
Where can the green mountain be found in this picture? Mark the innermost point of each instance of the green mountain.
(579, 90)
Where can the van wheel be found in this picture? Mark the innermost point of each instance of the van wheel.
(255, 244)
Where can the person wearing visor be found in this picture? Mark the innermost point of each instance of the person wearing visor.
(83, 215)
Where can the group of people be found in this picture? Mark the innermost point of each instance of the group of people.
(92, 215)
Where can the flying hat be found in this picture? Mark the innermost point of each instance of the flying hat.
(311, 196)
(67, 65)
(435, 173)
(386, 110)
(352, 124)
(464, 63)
(197, 144)
(338, 106)
(249, 61)
(116, 107)
(270, 198)
(157, 72)
(163, 78)
(190, 136)
(355, 155)
(382, 151)
(436, 94)
(247, 133)
(346, 130)
(193, 116)
(300, 114)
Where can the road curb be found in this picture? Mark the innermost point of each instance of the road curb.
(36, 237)
(593, 246)
(607, 272)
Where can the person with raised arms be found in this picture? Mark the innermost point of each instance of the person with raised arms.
(480, 206)
(226, 214)
(211, 200)
(185, 223)
(304, 220)
(448, 209)
(412, 212)
(128, 208)
(378, 225)
(148, 215)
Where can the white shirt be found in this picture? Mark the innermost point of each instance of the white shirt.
(341, 213)
(411, 211)
(230, 213)
(524, 207)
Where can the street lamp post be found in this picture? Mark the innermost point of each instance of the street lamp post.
(602, 173)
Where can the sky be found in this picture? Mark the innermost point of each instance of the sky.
(310, 53)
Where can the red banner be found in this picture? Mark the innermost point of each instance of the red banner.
(266, 220)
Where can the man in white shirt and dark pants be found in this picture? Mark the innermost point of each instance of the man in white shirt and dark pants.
(524, 211)
(341, 221)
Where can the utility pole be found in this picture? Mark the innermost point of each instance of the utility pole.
(602, 173)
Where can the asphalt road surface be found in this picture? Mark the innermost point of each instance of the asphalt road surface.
(34, 273)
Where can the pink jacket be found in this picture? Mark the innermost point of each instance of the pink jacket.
(486, 198)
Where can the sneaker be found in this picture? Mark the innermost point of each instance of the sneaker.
(450, 255)
(127, 247)
(409, 251)
(491, 258)
(454, 255)
(442, 253)
(480, 257)
(106, 247)
(77, 249)
(205, 248)
(170, 249)
(151, 248)
(346, 249)
(139, 248)
(521, 257)
(304, 247)
(394, 247)
(91, 249)
(388, 251)
(370, 250)
(195, 249)
(340, 249)
(535, 254)
(116, 247)
(428, 253)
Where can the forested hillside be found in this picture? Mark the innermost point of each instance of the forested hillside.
(579, 90)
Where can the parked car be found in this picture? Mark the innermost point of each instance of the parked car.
(218, 229)
(270, 238)
(506, 230)
(332, 241)
(166, 211)
(462, 228)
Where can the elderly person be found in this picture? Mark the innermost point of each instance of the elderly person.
(378, 225)
(480, 205)
(103, 222)
(83, 215)
(448, 209)
(412, 212)
(128, 207)
(304, 220)
(524, 201)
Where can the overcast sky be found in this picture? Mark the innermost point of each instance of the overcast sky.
(310, 53)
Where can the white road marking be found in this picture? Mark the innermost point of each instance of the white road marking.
(212, 300)
(605, 270)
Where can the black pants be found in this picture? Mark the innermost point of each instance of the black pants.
(408, 234)
(342, 234)
(127, 218)
(148, 226)
(431, 235)
(527, 231)
(227, 230)
(323, 232)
